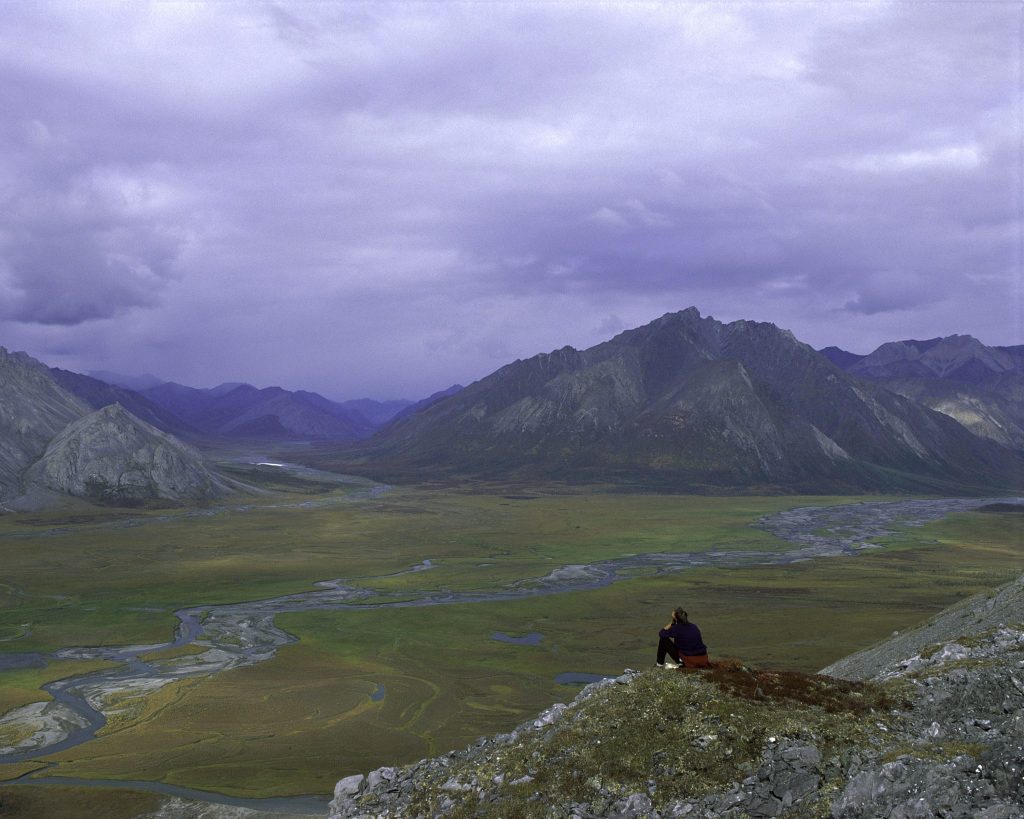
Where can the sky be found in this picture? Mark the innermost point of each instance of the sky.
(384, 198)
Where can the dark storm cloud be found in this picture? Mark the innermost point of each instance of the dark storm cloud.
(78, 242)
(386, 198)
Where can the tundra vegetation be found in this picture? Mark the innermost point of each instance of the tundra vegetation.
(297, 723)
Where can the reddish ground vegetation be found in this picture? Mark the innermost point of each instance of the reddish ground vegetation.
(829, 693)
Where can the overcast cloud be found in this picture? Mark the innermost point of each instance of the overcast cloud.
(384, 198)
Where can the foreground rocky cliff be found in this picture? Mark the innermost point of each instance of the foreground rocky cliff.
(937, 730)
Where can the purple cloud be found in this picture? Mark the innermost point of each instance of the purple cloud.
(385, 199)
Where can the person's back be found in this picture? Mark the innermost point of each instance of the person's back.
(683, 641)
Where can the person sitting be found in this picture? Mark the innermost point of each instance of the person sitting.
(681, 640)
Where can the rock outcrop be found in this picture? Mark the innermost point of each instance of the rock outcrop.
(33, 408)
(937, 732)
(110, 456)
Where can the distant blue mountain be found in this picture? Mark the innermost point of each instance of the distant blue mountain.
(235, 409)
(244, 411)
(841, 358)
(99, 394)
(129, 382)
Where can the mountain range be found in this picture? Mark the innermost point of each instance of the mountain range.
(67, 434)
(235, 410)
(244, 411)
(684, 403)
(689, 403)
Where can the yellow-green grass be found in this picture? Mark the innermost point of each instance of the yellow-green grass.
(14, 770)
(299, 722)
(22, 686)
(95, 583)
(34, 802)
(125, 709)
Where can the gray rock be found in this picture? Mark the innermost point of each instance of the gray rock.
(349, 786)
(110, 456)
(382, 775)
(634, 806)
(762, 803)
(550, 716)
(33, 409)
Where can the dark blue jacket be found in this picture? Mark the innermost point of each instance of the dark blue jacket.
(687, 638)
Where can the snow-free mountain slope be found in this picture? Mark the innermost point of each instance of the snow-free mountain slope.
(110, 456)
(692, 403)
(33, 408)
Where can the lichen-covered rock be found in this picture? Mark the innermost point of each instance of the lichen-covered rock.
(963, 752)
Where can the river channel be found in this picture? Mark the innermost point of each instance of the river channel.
(240, 634)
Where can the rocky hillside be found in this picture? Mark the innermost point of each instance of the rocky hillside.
(974, 616)
(110, 456)
(936, 732)
(33, 408)
(982, 387)
(692, 404)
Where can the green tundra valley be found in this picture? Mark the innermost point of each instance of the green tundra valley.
(473, 606)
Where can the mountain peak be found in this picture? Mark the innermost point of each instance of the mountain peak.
(840, 357)
(110, 456)
(33, 408)
(128, 382)
(692, 403)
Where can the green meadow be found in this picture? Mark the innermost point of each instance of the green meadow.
(312, 714)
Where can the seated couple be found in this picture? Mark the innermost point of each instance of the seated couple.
(681, 640)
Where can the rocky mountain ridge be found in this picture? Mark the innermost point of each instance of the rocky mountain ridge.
(981, 387)
(691, 404)
(937, 732)
(957, 357)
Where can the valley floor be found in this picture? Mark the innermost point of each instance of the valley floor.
(364, 687)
